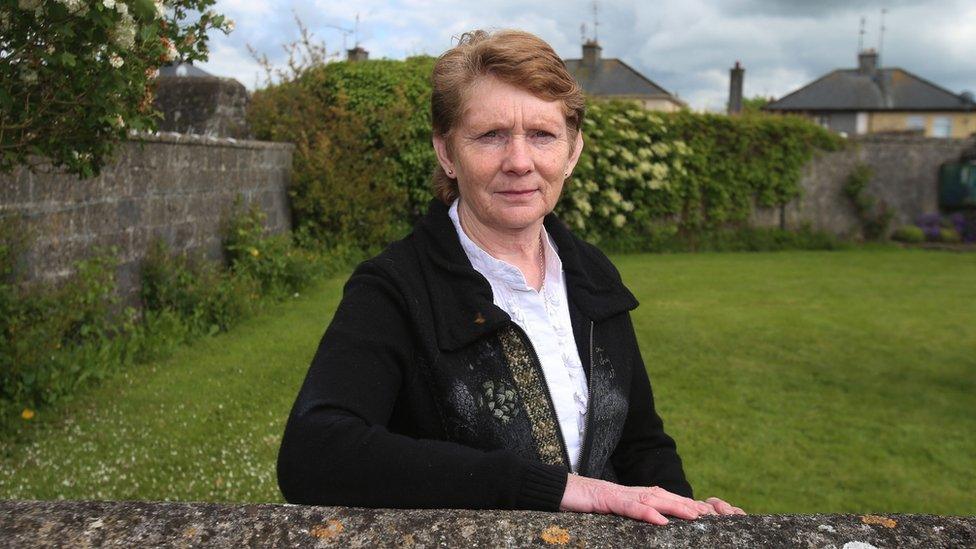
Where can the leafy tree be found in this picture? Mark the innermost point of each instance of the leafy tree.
(754, 105)
(76, 75)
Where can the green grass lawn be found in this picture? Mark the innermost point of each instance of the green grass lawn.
(793, 382)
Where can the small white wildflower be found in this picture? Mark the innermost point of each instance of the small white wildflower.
(122, 8)
(124, 34)
(110, 4)
(116, 61)
(119, 122)
(29, 5)
(160, 9)
(619, 220)
(229, 25)
(75, 7)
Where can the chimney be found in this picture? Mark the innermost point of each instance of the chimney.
(867, 62)
(736, 76)
(357, 54)
(591, 53)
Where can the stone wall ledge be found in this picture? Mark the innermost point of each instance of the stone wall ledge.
(154, 524)
(196, 139)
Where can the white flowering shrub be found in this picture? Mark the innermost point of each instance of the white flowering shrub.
(625, 181)
(646, 177)
(76, 75)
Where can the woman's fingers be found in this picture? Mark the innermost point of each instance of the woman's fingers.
(668, 506)
(708, 509)
(723, 508)
(634, 509)
(702, 507)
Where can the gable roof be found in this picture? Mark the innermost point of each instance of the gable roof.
(612, 77)
(892, 89)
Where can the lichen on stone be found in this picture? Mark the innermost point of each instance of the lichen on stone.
(882, 521)
(555, 535)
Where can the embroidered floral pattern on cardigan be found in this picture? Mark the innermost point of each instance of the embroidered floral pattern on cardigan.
(499, 399)
(535, 400)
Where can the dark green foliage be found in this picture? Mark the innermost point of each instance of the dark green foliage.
(202, 295)
(908, 233)
(874, 214)
(363, 157)
(949, 235)
(54, 339)
(274, 262)
(744, 239)
(753, 105)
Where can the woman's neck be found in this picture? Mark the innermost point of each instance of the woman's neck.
(520, 247)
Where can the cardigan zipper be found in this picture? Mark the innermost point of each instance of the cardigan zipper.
(552, 406)
(585, 449)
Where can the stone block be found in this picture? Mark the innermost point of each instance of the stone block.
(155, 524)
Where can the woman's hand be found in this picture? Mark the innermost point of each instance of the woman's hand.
(590, 495)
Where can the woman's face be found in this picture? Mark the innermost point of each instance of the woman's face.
(510, 155)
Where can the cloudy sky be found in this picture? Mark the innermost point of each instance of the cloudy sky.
(685, 46)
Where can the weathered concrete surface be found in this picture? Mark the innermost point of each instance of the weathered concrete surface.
(138, 524)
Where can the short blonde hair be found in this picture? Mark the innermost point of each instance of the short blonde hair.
(515, 57)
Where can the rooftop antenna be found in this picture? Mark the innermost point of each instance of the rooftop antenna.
(583, 33)
(860, 35)
(881, 34)
(346, 32)
(355, 31)
(596, 21)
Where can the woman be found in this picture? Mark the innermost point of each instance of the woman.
(488, 360)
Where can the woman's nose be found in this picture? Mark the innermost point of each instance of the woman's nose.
(518, 161)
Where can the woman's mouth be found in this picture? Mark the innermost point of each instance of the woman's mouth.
(518, 193)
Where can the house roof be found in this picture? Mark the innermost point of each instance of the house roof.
(612, 77)
(892, 89)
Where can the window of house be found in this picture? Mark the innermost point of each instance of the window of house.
(915, 123)
(941, 126)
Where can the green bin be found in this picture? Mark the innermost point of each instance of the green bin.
(957, 186)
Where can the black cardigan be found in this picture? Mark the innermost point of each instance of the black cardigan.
(423, 393)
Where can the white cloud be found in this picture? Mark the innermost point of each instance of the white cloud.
(686, 46)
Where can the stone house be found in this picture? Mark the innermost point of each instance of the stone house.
(611, 78)
(871, 99)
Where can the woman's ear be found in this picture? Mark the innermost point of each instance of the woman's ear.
(443, 156)
(575, 155)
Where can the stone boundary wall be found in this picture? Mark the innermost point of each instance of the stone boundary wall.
(906, 178)
(174, 187)
(151, 524)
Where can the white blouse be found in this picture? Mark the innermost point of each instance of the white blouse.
(544, 316)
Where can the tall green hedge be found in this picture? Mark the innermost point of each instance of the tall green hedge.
(364, 159)
(363, 156)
